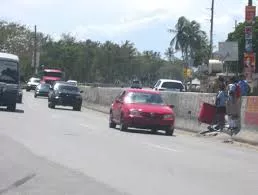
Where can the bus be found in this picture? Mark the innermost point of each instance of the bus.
(51, 75)
(9, 80)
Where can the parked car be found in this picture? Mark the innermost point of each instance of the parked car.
(144, 109)
(19, 96)
(136, 84)
(42, 90)
(32, 84)
(169, 85)
(63, 94)
(72, 82)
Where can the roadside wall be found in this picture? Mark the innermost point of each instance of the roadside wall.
(187, 106)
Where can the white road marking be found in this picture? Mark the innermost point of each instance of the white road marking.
(160, 147)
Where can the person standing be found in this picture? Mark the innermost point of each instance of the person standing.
(245, 88)
(233, 103)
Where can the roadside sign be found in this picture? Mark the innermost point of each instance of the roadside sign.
(250, 12)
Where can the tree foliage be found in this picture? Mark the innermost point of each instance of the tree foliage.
(190, 40)
(87, 61)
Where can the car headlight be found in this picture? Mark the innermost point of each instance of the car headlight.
(134, 112)
(168, 116)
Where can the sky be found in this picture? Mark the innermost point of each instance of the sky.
(143, 22)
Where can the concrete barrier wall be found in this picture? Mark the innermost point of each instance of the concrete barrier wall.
(187, 106)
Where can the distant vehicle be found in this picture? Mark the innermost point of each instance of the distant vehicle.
(64, 94)
(42, 90)
(51, 75)
(19, 97)
(32, 83)
(144, 109)
(169, 85)
(136, 84)
(72, 82)
(9, 80)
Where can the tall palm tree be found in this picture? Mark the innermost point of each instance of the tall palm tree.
(180, 40)
(189, 38)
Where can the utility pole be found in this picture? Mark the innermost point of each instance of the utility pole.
(35, 49)
(211, 31)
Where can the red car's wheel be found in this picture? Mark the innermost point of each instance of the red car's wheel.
(123, 126)
(111, 122)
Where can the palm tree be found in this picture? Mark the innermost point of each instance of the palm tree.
(189, 38)
(180, 40)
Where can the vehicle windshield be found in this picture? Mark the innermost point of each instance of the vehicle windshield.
(35, 80)
(9, 72)
(53, 74)
(67, 88)
(44, 86)
(172, 85)
(144, 98)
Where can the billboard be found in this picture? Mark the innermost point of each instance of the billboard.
(249, 65)
(250, 12)
(248, 32)
(228, 51)
(248, 45)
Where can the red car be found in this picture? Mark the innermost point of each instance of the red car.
(144, 109)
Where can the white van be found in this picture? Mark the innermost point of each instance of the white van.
(169, 85)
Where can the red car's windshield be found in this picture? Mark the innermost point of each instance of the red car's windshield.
(144, 98)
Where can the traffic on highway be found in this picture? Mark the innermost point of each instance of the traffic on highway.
(51, 144)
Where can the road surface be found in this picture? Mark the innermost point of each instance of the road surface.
(58, 152)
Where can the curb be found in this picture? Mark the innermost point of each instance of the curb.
(237, 139)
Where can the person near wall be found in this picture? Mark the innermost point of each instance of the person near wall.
(220, 103)
(245, 88)
(233, 104)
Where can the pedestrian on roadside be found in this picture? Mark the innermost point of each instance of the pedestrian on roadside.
(220, 103)
(233, 103)
(245, 88)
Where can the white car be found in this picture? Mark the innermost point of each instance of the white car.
(73, 82)
(169, 85)
(32, 83)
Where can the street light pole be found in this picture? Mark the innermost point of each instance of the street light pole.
(211, 31)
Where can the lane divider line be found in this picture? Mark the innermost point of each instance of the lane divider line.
(160, 147)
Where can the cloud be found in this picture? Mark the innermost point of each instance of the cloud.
(121, 18)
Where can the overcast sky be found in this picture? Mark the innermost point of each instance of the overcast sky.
(144, 22)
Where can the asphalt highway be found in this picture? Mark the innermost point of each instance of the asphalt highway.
(60, 151)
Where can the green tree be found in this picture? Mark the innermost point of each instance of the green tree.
(239, 36)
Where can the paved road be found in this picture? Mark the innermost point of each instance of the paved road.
(59, 151)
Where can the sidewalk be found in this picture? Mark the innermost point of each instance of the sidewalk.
(248, 137)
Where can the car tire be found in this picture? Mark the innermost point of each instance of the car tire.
(77, 108)
(123, 126)
(170, 131)
(11, 107)
(154, 130)
(111, 122)
(51, 105)
(35, 96)
(27, 89)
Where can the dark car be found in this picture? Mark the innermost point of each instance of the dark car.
(42, 90)
(64, 94)
(136, 84)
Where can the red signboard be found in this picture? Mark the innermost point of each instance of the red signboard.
(251, 114)
(249, 65)
(250, 12)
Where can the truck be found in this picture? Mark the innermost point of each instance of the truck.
(52, 75)
(9, 80)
